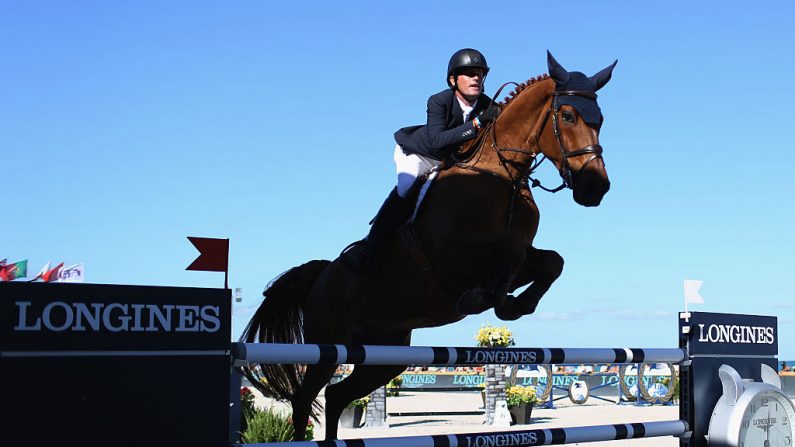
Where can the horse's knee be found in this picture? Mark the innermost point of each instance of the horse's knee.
(551, 264)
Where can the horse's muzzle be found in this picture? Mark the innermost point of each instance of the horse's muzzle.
(590, 186)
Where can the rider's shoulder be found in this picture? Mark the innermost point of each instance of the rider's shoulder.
(443, 96)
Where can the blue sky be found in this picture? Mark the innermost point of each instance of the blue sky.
(127, 126)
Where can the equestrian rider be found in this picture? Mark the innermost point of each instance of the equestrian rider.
(454, 116)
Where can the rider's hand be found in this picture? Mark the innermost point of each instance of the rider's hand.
(488, 115)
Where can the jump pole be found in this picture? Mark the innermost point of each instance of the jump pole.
(309, 354)
(550, 436)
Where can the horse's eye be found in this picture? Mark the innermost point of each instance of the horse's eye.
(568, 116)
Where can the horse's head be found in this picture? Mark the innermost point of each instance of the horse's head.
(570, 132)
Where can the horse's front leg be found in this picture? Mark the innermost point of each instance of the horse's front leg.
(495, 265)
(542, 268)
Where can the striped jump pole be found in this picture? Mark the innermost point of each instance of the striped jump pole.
(548, 436)
(309, 354)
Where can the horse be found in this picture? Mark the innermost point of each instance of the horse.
(472, 247)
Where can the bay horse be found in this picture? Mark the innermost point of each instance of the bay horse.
(475, 228)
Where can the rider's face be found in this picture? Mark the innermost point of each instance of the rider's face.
(469, 82)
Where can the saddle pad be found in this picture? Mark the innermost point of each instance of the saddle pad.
(423, 191)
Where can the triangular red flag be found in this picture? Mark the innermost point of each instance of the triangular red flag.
(213, 254)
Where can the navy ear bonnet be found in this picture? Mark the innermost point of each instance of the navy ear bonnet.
(575, 81)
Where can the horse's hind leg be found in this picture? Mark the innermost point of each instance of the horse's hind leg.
(315, 378)
(542, 268)
(363, 380)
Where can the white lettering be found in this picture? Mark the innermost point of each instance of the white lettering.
(106, 318)
(22, 322)
(503, 440)
(69, 316)
(724, 333)
(211, 321)
(165, 320)
(84, 313)
(506, 357)
(187, 319)
(59, 316)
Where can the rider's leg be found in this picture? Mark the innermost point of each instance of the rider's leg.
(395, 210)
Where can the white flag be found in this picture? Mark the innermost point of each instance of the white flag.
(42, 272)
(691, 291)
(71, 274)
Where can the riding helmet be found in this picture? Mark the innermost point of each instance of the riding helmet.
(466, 58)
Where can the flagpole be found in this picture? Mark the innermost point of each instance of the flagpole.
(684, 287)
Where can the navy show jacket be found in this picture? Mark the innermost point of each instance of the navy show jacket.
(445, 130)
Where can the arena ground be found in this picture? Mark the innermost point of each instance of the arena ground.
(566, 414)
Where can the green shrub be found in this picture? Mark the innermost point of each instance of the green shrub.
(271, 426)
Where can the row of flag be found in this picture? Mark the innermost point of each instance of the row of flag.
(59, 273)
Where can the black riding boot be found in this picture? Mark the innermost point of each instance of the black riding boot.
(393, 213)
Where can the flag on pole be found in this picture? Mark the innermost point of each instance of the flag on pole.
(73, 273)
(41, 272)
(213, 256)
(9, 272)
(52, 275)
(691, 292)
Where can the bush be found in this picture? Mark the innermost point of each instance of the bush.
(270, 426)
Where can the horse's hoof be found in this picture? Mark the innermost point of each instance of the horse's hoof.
(506, 313)
(515, 309)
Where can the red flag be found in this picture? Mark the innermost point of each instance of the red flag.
(213, 254)
(52, 275)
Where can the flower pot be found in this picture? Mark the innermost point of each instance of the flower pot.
(520, 414)
(352, 417)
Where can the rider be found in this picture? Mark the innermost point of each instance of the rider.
(454, 116)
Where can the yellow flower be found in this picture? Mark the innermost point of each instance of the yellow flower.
(519, 395)
(494, 337)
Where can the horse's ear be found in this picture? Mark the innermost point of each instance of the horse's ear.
(601, 78)
(556, 71)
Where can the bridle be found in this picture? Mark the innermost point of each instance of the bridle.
(524, 178)
(569, 177)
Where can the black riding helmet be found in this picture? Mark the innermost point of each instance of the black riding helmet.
(466, 58)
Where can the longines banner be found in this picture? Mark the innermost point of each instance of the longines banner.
(121, 365)
(730, 334)
(78, 317)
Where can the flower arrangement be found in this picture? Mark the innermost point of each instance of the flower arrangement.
(521, 395)
(360, 403)
(494, 337)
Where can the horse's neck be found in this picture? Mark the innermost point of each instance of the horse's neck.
(517, 128)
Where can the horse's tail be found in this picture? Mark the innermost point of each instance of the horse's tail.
(279, 320)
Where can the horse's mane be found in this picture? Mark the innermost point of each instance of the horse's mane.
(470, 148)
(520, 88)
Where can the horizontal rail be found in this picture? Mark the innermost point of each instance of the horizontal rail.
(550, 436)
(307, 354)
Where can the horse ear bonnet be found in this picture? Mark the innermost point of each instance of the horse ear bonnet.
(587, 108)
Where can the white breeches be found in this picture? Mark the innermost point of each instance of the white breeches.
(409, 167)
